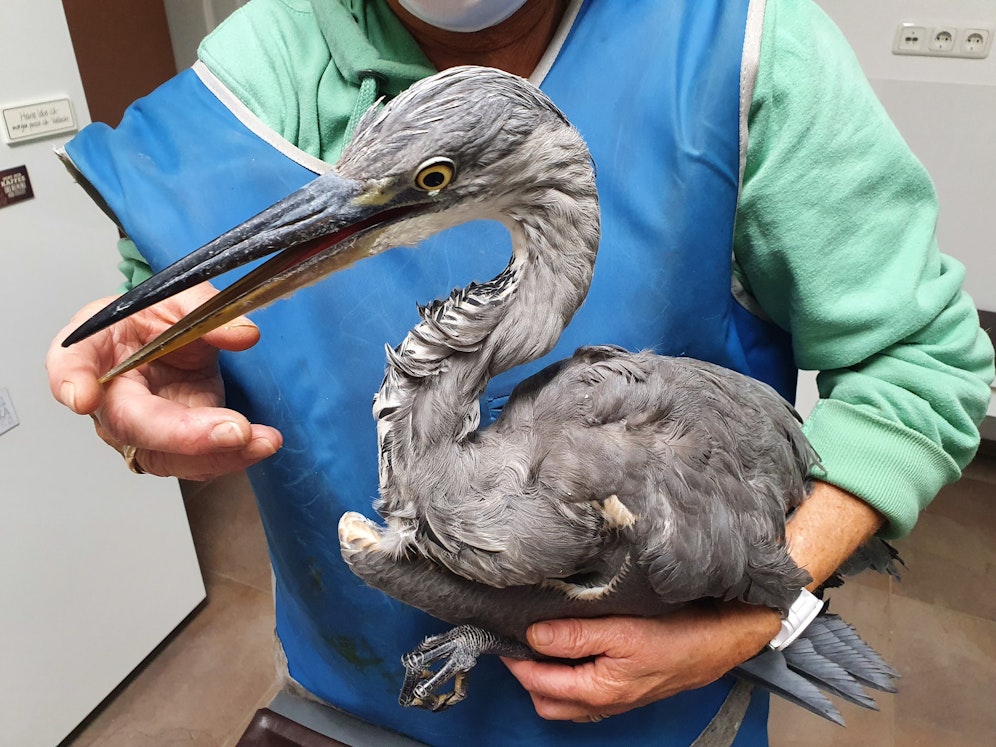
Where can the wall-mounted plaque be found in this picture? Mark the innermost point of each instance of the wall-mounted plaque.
(15, 186)
(31, 121)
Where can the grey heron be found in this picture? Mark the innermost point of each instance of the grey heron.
(612, 483)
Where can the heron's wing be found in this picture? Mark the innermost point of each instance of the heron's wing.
(874, 555)
(707, 462)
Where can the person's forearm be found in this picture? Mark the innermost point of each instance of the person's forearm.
(823, 532)
(827, 528)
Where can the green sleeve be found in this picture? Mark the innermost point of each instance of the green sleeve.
(835, 237)
(132, 266)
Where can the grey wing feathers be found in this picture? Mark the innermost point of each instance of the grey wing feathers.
(828, 656)
(875, 555)
(835, 639)
(804, 659)
(709, 461)
(770, 670)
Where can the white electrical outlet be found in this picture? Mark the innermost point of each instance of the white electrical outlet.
(975, 42)
(969, 40)
(943, 39)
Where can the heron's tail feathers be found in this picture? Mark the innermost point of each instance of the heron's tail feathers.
(828, 657)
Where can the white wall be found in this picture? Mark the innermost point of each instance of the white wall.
(190, 21)
(98, 564)
(946, 110)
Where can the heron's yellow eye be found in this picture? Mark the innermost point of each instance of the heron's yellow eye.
(435, 174)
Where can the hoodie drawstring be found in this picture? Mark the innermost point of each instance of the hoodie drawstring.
(370, 83)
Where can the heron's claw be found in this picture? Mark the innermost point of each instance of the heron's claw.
(458, 649)
(418, 691)
(458, 652)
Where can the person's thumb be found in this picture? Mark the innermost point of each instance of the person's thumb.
(567, 639)
(238, 334)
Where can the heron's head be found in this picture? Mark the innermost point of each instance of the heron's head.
(467, 143)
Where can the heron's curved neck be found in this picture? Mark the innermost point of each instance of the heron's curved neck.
(429, 398)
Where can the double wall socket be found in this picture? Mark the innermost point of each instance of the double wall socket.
(943, 40)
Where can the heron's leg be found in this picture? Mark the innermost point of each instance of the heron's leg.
(417, 581)
(458, 649)
(414, 579)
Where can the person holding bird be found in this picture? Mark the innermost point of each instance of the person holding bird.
(758, 211)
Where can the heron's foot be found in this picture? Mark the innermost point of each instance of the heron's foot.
(458, 650)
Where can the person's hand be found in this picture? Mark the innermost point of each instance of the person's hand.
(167, 416)
(637, 660)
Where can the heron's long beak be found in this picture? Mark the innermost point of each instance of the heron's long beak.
(310, 229)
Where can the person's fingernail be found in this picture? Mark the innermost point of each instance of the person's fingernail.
(542, 634)
(261, 448)
(67, 395)
(227, 435)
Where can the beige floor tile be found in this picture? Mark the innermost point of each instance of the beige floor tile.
(203, 684)
(226, 529)
(951, 554)
(984, 466)
(969, 502)
(948, 662)
(791, 726)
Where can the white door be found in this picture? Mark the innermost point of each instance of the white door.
(96, 564)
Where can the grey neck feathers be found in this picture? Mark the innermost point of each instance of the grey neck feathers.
(429, 398)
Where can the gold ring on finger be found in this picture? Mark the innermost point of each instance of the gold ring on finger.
(130, 454)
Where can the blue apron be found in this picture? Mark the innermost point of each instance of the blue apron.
(654, 87)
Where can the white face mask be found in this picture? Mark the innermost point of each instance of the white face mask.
(462, 15)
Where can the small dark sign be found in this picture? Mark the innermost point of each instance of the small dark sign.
(15, 186)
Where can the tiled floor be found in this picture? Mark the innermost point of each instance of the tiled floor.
(938, 627)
